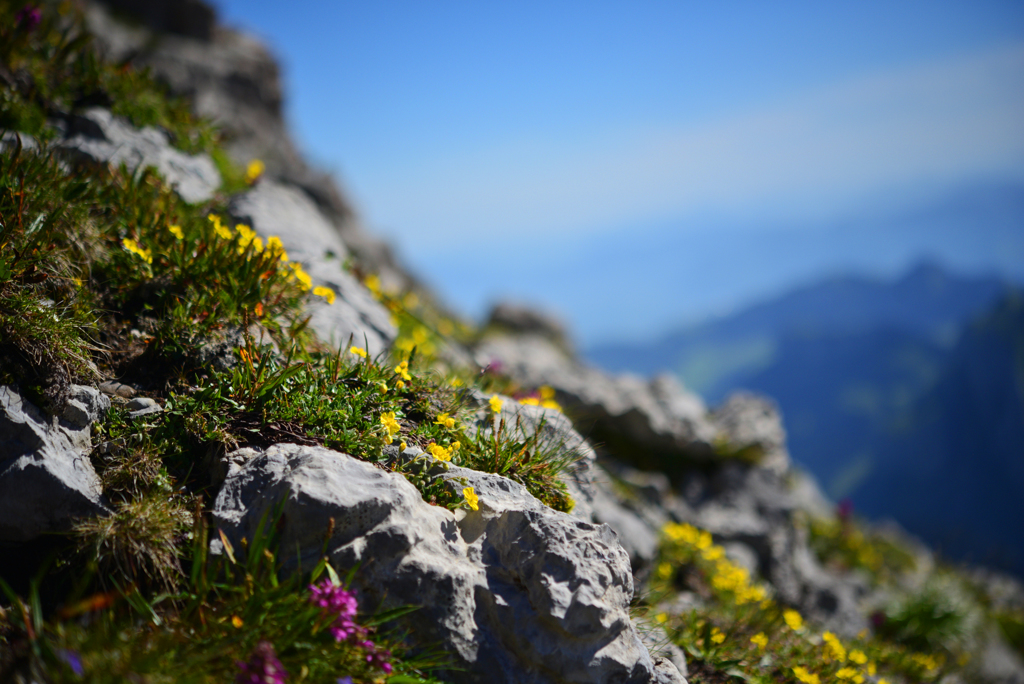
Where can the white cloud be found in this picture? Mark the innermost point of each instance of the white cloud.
(929, 123)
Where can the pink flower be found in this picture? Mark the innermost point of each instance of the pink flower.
(263, 667)
(337, 601)
(29, 17)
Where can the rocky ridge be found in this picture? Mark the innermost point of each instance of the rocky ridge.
(514, 591)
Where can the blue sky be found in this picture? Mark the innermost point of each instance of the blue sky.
(497, 142)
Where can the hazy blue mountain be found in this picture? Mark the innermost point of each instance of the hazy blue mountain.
(715, 357)
(905, 396)
(951, 466)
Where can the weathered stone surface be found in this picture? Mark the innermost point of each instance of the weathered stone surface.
(752, 509)
(647, 422)
(97, 136)
(46, 479)
(516, 592)
(143, 406)
(751, 425)
(272, 208)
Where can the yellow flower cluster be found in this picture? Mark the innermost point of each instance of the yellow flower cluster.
(445, 420)
(247, 236)
(717, 636)
(851, 674)
(804, 676)
(299, 275)
(136, 249)
(218, 227)
(391, 424)
(176, 232)
(419, 339)
(792, 619)
(472, 500)
(547, 399)
(725, 575)
(358, 351)
(834, 650)
(759, 640)
(495, 402)
(442, 454)
(276, 248)
(402, 371)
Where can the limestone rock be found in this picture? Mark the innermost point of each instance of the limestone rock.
(516, 592)
(273, 208)
(751, 510)
(750, 424)
(651, 423)
(97, 136)
(46, 478)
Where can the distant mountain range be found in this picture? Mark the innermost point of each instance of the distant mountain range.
(904, 396)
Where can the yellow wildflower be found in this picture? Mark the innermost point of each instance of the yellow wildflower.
(372, 283)
(833, 648)
(664, 570)
(858, 657)
(219, 227)
(305, 282)
(237, 622)
(530, 401)
(713, 553)
(358, 351)
(456, 382)
(793, 619)
(254, 170)
(848, 673)
(471, 498)
(455, 446)
(717, 636)
(399, 385)
(439, 452)
(325, 292)
(661, 617)
(883, 680)
(445, 420)
(382, 387)
(391, 424)
(275, 247)
(759, 640)
(403, 370)
(872, 668)
(403, 445)
(141, 252)
(257, 244)
(176, 232)
(804, 676)
(495, 402)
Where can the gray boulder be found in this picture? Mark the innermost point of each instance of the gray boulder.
(591, 488)
(654, 424)
(515, 591)
(272, 208)
(97, 136)
(46, 478)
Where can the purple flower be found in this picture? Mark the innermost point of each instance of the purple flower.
(263, 667)
(344, 680)
(73, 660)
(377, 657)
(334, 600)
(29, 17)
